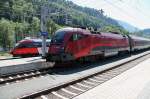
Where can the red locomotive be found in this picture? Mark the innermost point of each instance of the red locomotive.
(75, 43)
(28, 47)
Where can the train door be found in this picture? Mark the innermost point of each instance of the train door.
(83, 45)
(111, 46)
(72, 45)
(76, 45)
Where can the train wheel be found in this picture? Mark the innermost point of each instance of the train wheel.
(23, 56)
(90, 59)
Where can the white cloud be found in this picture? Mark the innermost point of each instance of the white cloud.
(134, 12)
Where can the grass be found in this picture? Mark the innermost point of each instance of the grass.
(3, 53)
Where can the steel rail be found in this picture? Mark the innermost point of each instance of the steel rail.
(82, 84)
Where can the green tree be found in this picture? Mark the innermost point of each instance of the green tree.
(21, 31)
(6, 33)
(51, 27)
(22, 10)
(112, 28)
(5, 9)
(35, 26)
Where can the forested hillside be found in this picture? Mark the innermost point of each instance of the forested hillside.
(21, 18)
(128, 26)
(146, 31)
(143, 33)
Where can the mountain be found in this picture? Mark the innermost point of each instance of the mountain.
(72, 14)
(61, 12)
(146, 31)
(65, 12)
(143, 33)
(128, 26)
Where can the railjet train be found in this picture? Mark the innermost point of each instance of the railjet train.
(69, 44)
(29, 47)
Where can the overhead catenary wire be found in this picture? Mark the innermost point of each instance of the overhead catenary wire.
(122, 10)
(139, 10)
(107, 1)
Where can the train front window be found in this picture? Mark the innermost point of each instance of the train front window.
(25, 45)
(58, 37)
(16, 45)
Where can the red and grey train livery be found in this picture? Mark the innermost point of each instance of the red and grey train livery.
(29, 47)
(75, 43)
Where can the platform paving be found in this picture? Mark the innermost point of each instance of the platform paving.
(11, 62)
(5, 57)
(23, 64)
(15, 90)
(132, 84)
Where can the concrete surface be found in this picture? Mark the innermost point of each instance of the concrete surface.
(23, 64)
(15, 90)
(132, 84)
(5, 57)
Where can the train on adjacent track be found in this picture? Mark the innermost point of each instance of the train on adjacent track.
(69, 44)
(29, 47)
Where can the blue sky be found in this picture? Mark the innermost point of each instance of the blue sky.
(134, 12)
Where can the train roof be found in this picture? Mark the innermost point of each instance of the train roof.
(70, 29)
(33, 40)
(139, 38)
(110, 34)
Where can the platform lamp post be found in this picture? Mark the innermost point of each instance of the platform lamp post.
(44, 33)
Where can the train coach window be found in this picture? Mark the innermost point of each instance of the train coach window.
(37, 44)
(75, 37)
(47, 44)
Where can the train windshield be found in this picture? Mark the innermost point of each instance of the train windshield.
(17, 44)
(58, 37)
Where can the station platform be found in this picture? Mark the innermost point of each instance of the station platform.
(131, 84)
(22, 88)
(23, 64)
(5, 57)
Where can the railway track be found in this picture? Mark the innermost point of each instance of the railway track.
(8, 79)
(81, 85)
